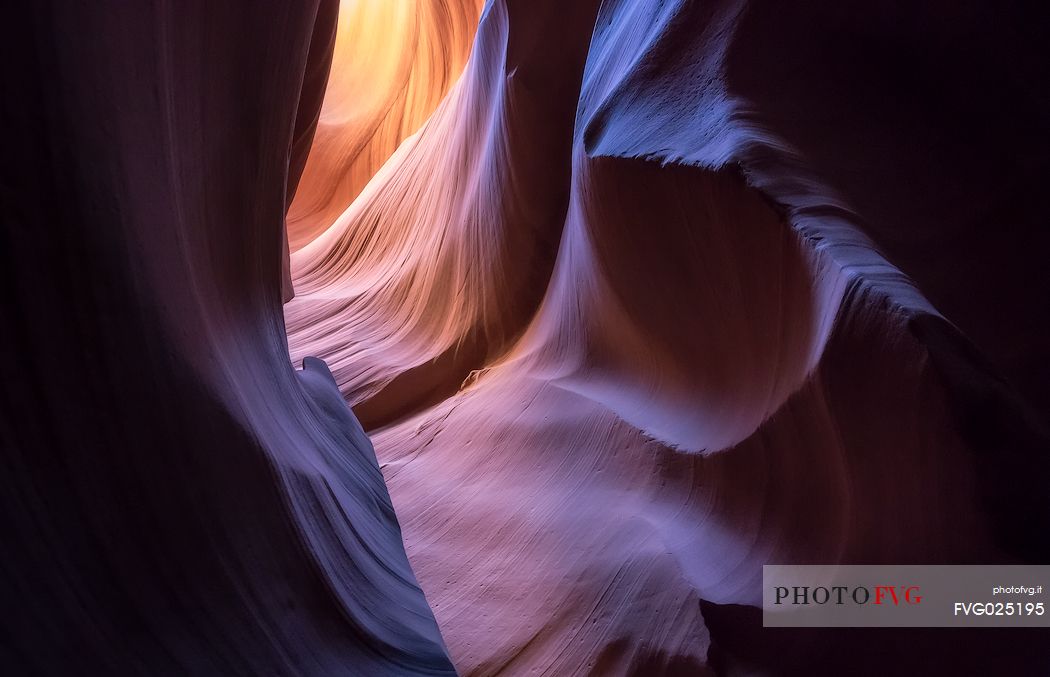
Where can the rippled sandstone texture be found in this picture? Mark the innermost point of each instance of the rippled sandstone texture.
(392, 63)
(665, 291)
(177, 499)
(658, 293)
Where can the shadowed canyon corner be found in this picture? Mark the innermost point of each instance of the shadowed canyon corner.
(505, 337)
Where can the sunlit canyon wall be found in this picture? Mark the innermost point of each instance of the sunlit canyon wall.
(631, 297)
(655, 297)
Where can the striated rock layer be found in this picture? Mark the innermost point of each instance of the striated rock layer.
(642, 295)
(177, 499)
(391, 64)
(665, 291)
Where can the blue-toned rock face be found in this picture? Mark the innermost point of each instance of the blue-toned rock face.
(631, 297)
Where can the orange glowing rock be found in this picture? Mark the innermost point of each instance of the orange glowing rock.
(393, 63)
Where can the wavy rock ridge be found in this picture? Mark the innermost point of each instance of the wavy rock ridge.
(178, 499)
(733, 359)
(639, 296)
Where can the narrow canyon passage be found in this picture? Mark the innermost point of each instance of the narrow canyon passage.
(514, 337)
(606, 343)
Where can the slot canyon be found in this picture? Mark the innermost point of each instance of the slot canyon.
(507, 337)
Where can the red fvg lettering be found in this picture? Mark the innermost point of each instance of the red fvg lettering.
(911, 594)
(880, 592)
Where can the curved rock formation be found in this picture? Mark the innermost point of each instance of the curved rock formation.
(729, 365)
(641, 296)
(391, 64)
(177, 499)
